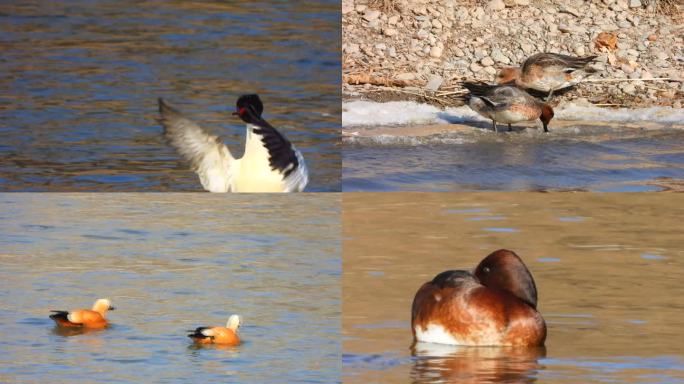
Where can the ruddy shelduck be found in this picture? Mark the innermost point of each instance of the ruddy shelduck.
(218, 335)
(86, 318)
(270, 163)
(506, 104)
(494, 306)
(547, 72)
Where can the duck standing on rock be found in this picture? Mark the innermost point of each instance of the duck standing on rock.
(506, 104)
(547, 72)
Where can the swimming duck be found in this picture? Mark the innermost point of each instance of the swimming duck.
(494, 306)
(218, 335)
(87, 318)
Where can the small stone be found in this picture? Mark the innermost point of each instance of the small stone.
(436, 52)
(490, 70)
(624, 24)
(361, 7)
(499, 57)
(628, 88)
(475, 67)
(626, 68)
(522, 2)
(579, 50)
(389, 32)
(351, 48)
(527, 48)
(406, 76)
(564, 28)
(496, 5)
(606, 40)
(487, 61)
(371, 15)
(436, 24)
(635, 3)
(652, 37)
(393, 19)
(434, 82)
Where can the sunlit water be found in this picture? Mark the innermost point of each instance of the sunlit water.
(594, 158)
(169, 263)
(608, 268)
(80, 83)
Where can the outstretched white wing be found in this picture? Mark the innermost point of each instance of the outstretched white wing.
(208, 156)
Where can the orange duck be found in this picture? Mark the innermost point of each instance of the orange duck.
(218, 335)
(86, 318)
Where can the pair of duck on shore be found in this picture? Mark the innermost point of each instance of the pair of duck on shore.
(94, 318)
(509, 101)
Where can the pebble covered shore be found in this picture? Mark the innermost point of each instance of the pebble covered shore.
(426, 47)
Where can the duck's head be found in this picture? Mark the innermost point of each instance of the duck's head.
(234, 322)
(249, 108)
(102, 306)
(507, 75)
(546, 116)
(504, 270)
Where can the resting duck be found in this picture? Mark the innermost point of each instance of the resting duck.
(495, 306)
(270, 162)
(218, 335)
(506, 104)
(547, 72)
(86, 318)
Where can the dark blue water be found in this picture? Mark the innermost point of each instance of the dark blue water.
(618, 162)
(80, 81)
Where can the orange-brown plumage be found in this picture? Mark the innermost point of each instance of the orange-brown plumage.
(218, 335)
(84, 318)
(494, 306)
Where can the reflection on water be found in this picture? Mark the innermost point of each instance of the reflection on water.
(81, 80)
(613, 310)
(436, 363)
(169, 263)
(601, 159)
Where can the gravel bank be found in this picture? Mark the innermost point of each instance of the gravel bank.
(421, 49)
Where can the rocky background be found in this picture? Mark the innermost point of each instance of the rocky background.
(421, 49)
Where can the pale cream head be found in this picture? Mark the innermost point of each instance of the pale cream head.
(234, 322)
(102, 306)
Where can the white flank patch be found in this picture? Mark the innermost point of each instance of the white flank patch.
(436, 334)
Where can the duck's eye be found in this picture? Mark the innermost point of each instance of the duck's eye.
(486, 269)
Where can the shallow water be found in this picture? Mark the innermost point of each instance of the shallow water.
(580, 157)
(81, 80)
(608, 268)
(170, 263)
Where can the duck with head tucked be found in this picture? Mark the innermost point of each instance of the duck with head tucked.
(494, 306)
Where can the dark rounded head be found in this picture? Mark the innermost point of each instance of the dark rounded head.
(546, 116)
(249, 108)
(504, 270)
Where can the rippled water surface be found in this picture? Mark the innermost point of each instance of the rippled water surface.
(594, 158)
(169, 263)
(80, 82)
(608, 268)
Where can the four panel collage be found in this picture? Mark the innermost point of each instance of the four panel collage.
(354, 191)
